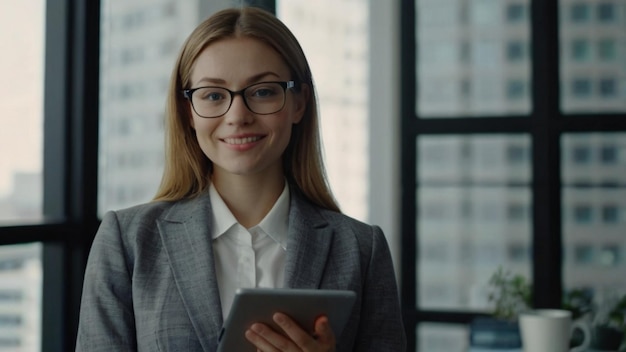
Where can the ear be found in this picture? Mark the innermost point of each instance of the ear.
(302, 101)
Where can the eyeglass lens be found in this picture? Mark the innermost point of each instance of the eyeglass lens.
(261, 98)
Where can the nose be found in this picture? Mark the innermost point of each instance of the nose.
(238, 112)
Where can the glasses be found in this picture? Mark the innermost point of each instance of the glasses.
(261, 98)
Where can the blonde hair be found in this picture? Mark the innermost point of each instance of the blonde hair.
(187, 169)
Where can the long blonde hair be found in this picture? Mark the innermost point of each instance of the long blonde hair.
(187, 170)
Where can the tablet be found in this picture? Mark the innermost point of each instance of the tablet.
(302, 305)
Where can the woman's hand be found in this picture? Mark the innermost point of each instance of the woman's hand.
(296, 340)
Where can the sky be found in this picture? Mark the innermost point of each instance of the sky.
(21, 89)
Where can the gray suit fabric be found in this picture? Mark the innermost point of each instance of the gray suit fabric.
(150, 279)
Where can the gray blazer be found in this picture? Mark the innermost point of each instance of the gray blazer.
(150, 279)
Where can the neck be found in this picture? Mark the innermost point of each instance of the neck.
(249, 198)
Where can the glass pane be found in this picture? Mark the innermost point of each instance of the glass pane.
(21, 279)
(432, 337)
(337, 49)
(474, 215)
(594, 211)
(593, 53)
(139, 44)
(473, 58)
(22, 26)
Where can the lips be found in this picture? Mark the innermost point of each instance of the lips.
(242, 140)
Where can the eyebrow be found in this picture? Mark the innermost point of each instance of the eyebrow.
(252, 79)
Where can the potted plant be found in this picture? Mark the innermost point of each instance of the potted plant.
(509, 294)
(578, 301)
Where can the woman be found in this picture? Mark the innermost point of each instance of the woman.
(243, 202)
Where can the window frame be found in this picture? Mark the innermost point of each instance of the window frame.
(545, 124)
(69, 166)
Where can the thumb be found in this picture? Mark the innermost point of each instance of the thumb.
(323, 333)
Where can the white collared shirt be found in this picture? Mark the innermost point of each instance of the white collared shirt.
(253, 257)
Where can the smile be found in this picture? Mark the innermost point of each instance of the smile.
(242, 140)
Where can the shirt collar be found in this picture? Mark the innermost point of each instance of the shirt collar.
(275, 224)
(223, 218)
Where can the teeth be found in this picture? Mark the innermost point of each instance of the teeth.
(241, 140)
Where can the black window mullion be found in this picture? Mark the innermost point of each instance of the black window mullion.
(596, 123)
(54, 316)
(82, 168)
(55, 130)
(408, 289)
(84, 98)
(546, 190)
(473, 125)
(267, 5)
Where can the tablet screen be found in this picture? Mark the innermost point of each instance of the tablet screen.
(302, 305)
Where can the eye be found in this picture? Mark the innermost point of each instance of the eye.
(263, 92)
(211, 94)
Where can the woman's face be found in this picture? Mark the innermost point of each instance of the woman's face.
(242, 142)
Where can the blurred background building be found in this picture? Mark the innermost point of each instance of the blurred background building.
(21, 278)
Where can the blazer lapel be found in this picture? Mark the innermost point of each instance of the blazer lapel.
(185, 232)
(308, 245)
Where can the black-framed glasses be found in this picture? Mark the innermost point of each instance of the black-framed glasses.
(262, 98)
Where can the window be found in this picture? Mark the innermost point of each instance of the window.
(486, 46)
(591, 72)
(517, 154)
(607, 87)
(609, 256)
(518, 253)
(607, 50)
(609, 155)
(580, 50)
(469, 190)
(579, 12)
(146, 40)
(581, 87)
(563, 97)
(582, 214)
(606, 12)
(581, 154)
(515, 51)
(337, 48)
(593, 195)
(21, 107)
(22, 68)
(583, 255)
(21, 274)
(515, 89)
(10, 342)
(516, 13)
(610, 214)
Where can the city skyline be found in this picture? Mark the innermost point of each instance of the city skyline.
(21, 69)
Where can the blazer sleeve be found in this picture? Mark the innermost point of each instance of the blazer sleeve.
(381, 327)
(106, 321)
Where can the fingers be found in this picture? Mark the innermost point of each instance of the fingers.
(323, 333)
(301, 338)
(267, 340)
(323, 338)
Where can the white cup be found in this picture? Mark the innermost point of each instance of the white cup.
(550, 330)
